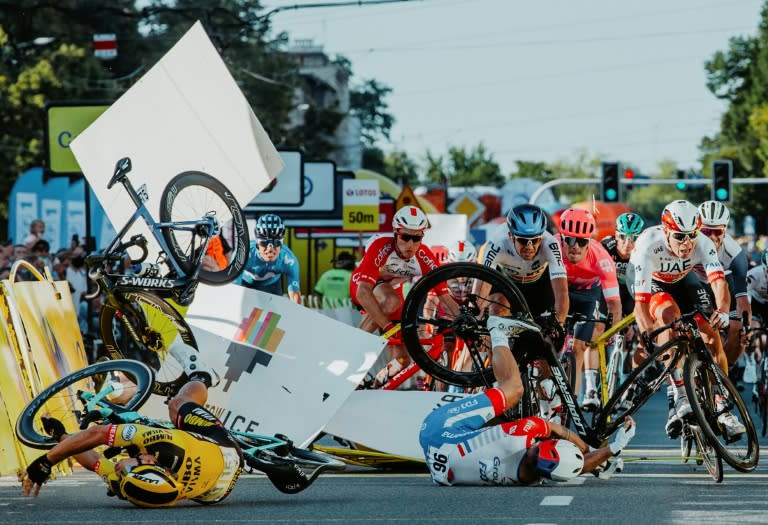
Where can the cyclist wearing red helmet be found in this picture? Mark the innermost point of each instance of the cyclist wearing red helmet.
(591, 278)
(665, 285)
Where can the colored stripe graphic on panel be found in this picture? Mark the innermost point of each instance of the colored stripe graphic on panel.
(255, 341)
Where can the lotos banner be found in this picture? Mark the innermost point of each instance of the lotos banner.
(283, 368)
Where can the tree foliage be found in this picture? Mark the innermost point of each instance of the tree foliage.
(462, 167)
(269, 76)
(739, 76)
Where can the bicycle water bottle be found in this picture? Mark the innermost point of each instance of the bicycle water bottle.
(146, 269)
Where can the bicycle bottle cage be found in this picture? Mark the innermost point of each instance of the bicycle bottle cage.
(122, 168)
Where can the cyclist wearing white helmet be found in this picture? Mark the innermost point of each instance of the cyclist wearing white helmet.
(269, 259)
(460, 287)
(665, 284)
(714, 218)
(197, 460)
(461, 449)
(388, 262)
(757, 287)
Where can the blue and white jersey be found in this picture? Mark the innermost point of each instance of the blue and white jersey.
(265, 276)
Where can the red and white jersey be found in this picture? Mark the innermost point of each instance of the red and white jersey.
(653, 261)
(595, 269)
(500, 253)
(382, 263)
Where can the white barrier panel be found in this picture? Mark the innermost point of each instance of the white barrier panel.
(186, 113)
(283, 368)
(387, 421)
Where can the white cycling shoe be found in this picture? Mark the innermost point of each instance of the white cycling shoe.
(733, 427)
(591, 401)
(193, 364)
(510, 327)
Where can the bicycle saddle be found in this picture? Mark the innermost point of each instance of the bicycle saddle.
(122, 168)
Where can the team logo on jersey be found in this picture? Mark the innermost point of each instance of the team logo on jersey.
(255, 342)
(128, 432)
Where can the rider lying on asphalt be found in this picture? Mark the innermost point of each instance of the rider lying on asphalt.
(460, 450)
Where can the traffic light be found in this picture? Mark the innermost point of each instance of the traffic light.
(722, 172)
(629, 174)
(609, 189)
(681, 176)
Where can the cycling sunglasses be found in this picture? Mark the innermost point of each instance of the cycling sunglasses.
(717, 232)
(266, 243)
(407, 237)
(572, 241)
(528, 241)
(682, 237)
(626, 236)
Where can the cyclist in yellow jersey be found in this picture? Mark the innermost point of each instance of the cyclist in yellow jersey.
(197, 460)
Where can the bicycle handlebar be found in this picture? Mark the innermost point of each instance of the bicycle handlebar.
(695, 315)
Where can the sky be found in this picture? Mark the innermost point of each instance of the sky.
(537, 80)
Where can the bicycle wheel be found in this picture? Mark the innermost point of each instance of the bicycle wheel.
(710, 458)
(705, 380)
(142, 327)
(60, 400)
(641, 384)
(492, 294)
(189, 197)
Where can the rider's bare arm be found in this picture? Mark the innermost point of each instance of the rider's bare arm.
(560, 289)
(449, 304)
(367, 300)
(294, 296)
(614, 309)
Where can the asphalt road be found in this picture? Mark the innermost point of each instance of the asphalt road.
(655, 487)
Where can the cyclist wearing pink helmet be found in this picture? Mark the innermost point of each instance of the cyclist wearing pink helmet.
(593, 290)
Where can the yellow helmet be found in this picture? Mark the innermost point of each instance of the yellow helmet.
(149, 486)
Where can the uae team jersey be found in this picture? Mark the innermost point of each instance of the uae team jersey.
(757, 284)
(595, 269)
(653, 261)
(500, 253)
(734, 262)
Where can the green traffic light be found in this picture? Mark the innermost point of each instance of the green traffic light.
(680, 186)
(610, 194)
(721, 194)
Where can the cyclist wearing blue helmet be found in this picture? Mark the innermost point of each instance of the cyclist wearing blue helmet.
(531, 257)
(269, 260)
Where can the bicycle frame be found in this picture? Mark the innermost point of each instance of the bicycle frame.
(155, 227)
(600, 343)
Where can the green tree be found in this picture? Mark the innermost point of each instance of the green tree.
(367, 102)
(399, 166)
(739, 76)
(465, 168)
(27, 81)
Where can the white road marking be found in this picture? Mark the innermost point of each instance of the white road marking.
(559, 501)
